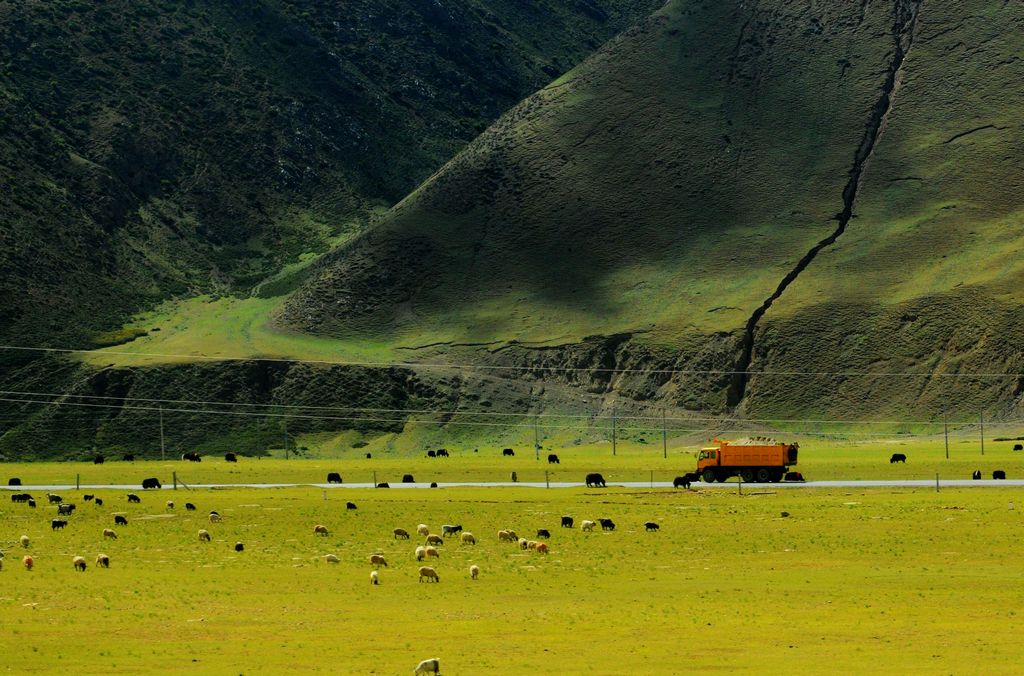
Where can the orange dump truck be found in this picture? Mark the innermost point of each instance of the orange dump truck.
(758, 459)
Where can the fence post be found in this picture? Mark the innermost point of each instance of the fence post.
(174, 477)
(78, 481)
(547, 481)
(936, 482)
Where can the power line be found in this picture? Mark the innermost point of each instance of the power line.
(535, 369)
(591, 416)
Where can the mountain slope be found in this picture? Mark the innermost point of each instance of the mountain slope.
(150, 149)
(693, 188)
(663, 187)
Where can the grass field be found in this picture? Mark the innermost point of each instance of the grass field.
(856, 580)
(819, 461)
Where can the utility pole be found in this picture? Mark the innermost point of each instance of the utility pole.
(286, 438)
(536, 439)
(161, 432)
(945, 432)
(614, 432)
(664, 436)
(981, 420)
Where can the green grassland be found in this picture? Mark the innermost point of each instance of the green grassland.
(392, 458)
(856, 580)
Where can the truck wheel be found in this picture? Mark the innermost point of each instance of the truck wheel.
(777, 475)
(763, 476)
(708, 476)
(747, 475)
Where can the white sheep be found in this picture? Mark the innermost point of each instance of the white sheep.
(587, 526)
(431, 666)
(103, 561)
(320, 530)
(421, 553)
(374, 577)
(215, 517)
(170, 504)
(523, 543)
(429, 573)
(378, 560)
(204, 535)
(423, 530)
(432, 552)
(24, 541)
(435, 540)
(401, 533)
(332, 558)
(474, 570)
(468, 539)
(505, 536)
(79, 563)
(109, 533)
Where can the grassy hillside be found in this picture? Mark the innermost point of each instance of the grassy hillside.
(928, 277)
(151, 149)
(678, 188)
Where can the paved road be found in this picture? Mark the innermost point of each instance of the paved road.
(731, 485)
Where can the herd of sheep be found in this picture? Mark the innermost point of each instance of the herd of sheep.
(428, 550)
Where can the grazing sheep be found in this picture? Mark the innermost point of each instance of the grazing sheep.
(57, 524)
(429, 573)
(134, 498)
(374, 577)
(542, 548)
(523, 543)
(378, 560)
(350, 505)
(103, 561)
(28, 562)
(151, 482)
(512, 536)
(332, 558)
(474, 571)
(432, 551)
(79, 563)
(543, 533)
(566, 522)
(423, 530)
(204, 535)
(215, 517)
(189, 507)
(120, 520)
(239, 547)
(468, 539)
(24, 541)
(32, 503)
(320, 530)
(88, 497)
(109, 533)
(99, 502)
(607, 524)
(449, 529)
(54, 498)
(435, 540)
(170, 504)
(650, 525)
(66, 508)
(587, 526)
(421, 553)
(431, 666)
(401, 534)
(505, 536)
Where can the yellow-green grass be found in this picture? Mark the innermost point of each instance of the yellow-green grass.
(226, 327)
(856, 580)
(819, 461)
